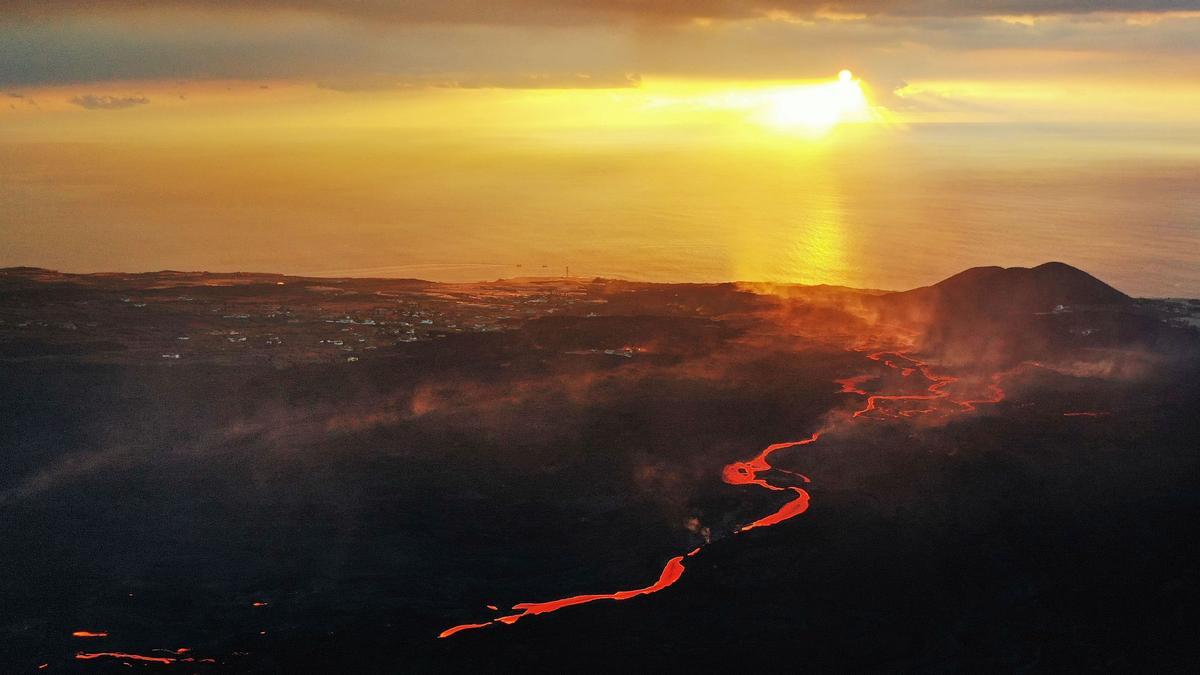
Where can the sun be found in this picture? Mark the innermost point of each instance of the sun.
(815, 109)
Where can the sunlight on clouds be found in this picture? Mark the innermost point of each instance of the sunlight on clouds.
(670, 108)
(1154, 18)
(814, 110)
(1015, 19)
(808, 110)
(642, 110)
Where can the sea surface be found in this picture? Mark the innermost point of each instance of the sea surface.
(885, 207)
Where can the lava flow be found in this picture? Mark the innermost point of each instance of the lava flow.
(670, 575)
(178, 656)
(84, 656)
(748, 473)
(935, 390)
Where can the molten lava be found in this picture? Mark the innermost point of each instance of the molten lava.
(177, 657)
(935, 390)
(789, 510)
(747, 472)
(670, 575)
(850, 384)
(84, 656)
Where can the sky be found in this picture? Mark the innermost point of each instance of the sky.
(274, 134)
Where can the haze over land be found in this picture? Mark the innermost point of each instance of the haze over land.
(259, 472)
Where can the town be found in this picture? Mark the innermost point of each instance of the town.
(259, 318)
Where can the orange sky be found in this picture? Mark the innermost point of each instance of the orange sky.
(307, 137)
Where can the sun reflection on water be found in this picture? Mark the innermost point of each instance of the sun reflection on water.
(808, 244)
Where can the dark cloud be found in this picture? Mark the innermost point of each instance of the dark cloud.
(543, 44)
(28, 100)
(572, 11)
(102, 102)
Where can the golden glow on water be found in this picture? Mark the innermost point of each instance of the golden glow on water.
(818, 252)
(674, 180)
(804, 239)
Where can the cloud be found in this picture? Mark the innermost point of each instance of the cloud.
(101, 102)
(579, 11)
(526, 50)
(28, 100)
(482, 81)
(544, 81)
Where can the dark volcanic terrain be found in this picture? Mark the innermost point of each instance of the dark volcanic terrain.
(253, 472)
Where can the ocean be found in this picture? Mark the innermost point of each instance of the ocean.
(884, 207)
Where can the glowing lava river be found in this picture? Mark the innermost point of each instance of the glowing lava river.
(933, 399)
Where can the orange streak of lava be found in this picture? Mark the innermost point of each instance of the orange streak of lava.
(850, 384)
(84, 656)
(670, 574)
(789, 510)
(747, 473)
(935, 389)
